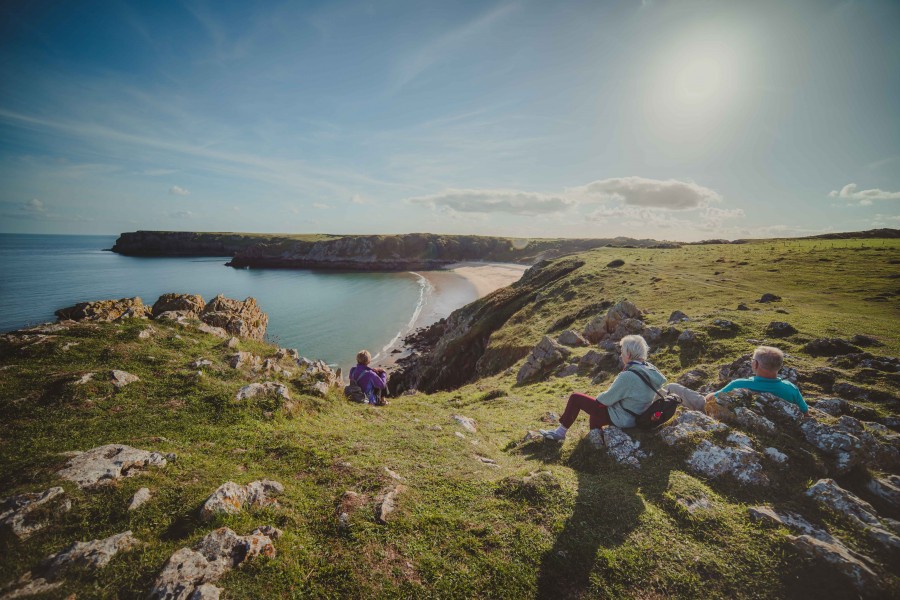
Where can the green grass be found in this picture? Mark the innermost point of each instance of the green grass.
(591, 528)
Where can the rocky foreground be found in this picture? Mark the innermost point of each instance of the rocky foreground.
(179, 456)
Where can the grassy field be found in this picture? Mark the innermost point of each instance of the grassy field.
(545, 520)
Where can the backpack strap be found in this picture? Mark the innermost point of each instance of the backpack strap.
(646, 380)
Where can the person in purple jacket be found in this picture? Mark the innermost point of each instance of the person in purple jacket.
(373, 382)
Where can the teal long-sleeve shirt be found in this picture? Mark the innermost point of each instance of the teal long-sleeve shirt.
(785, 390)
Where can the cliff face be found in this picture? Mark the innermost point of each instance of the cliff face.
(452, 352)
(359, 252)
(182, 243)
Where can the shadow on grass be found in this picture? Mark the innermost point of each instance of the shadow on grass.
(608, 507)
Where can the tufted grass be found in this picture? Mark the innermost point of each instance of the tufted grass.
(462, 528)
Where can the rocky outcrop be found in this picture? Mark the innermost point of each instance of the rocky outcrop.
(187, 304)
(243, 319)
(620, 446)
(740, 368)
(849, 442)
(454, 352)
(122, 378)
(466, 423)
(780, 329)
(24, 513)
(93, 555)
(624, 318)
(385, 504)
(106, 464)
(261, 389)
(105, 310)
(141, 497)
(829, 347)
(572, 339)
(232, 498)
(189, 574)
(544, 357)
(740, 462)
(859, 512)
(687, 424)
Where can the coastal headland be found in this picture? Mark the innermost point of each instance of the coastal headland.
(164, 450)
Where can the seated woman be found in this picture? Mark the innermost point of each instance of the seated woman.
(373, 382)
(627, 393)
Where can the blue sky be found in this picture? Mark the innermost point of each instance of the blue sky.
(672, 120)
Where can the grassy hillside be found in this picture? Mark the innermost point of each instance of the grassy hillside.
(483, 514)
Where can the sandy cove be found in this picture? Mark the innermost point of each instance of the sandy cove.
(449, 289)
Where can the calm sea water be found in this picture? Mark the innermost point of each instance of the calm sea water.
(324, 315)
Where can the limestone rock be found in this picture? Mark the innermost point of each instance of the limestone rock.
(105, 464)
(780, 329)
(320, 388)
(189, 304)
(715, 461)
(688, 423)
(386, 503)
(850, 442)
(751, 420)
(887, 489)
(572, 338)
(182, 317)
(776, 455)
(865, 360)
(140, 497)
(832, 406)
(315, 371)
(619, 445)
(828, 493)
(740, 368)
(693, 379)
(543, 359)
(594, 362)
(105, 310)
(243, 319)
(231, 342)
(189, 574)
(466, 423)
(829, 347)
(16, 511)
(212, 330)
(607, 325)
(122, 378)
(289, 353)
(146, 334)
(678, 316)
(200, 363)
(767, 297)
(244, 359)
(864, 578)
(232, 498)
(260, 389)
(688, 341)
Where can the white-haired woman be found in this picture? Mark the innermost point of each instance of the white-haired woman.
(627, 393)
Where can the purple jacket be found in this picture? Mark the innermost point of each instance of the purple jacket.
(368, 380)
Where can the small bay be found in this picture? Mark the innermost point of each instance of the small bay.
(325, 315)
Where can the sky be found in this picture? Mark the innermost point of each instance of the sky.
(675, 120)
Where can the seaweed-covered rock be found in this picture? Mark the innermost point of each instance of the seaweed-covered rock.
(544, 358)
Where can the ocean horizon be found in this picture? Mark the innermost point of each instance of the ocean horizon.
(324, 315)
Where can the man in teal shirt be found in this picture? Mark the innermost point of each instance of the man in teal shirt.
(766, 363)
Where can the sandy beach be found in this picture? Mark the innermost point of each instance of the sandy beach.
(449, 289)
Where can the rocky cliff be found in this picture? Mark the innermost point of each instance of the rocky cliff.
(359, 252)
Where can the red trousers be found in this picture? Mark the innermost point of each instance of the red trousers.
(577, 402)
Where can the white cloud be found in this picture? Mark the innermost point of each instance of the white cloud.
(35, 207)
(360, 199)
(320, 206)
(178, 191)
(157, 172)
(494, 201)
(180, 214)
(640, 191)
(851, 192)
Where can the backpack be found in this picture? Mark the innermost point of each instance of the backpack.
(660, 410)
(354, 392)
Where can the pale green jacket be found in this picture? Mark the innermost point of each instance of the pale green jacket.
(628, 391)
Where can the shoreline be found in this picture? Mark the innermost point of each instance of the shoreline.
(445, 291)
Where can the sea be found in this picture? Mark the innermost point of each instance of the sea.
(324, 315)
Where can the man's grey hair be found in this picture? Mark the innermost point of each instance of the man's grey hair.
(635, 346)
(769, 357)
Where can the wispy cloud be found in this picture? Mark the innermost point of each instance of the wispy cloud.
(320, 206)
(494, 201)
(180, 214)
(865, 197)
(177, 190)
(360, 199)
(419, 61)
(34, 206)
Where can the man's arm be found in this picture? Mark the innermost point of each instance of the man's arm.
(616, 391)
